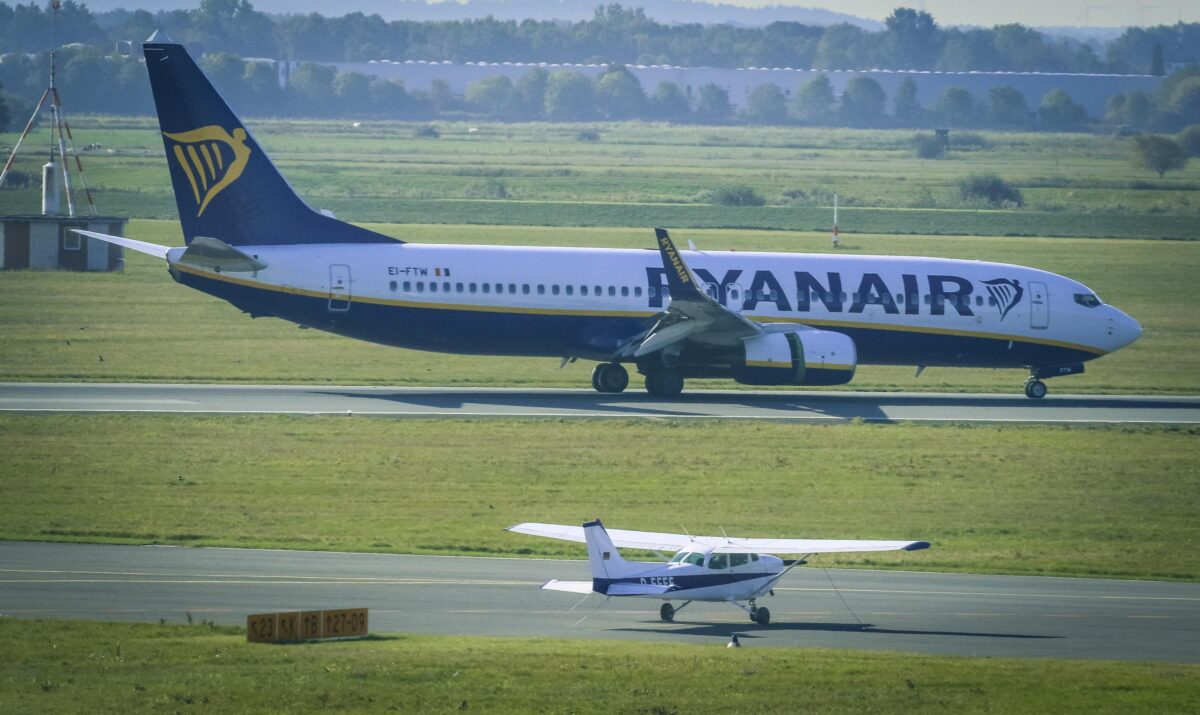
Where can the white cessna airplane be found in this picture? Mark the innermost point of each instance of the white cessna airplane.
(704, 568)
(758, 318)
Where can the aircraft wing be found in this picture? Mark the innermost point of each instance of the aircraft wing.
(568, 586)
(692, 314)
(724, 545)
(622, 538)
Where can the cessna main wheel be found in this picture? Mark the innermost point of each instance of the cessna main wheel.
(667, 612)
(762, 616)
(610, 377)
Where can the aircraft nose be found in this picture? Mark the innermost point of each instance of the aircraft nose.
(1123, 329)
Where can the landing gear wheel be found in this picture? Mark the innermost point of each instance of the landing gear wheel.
(610, 377)
(1035, 389)
(762, 616)
(667, 612)
(664, 383)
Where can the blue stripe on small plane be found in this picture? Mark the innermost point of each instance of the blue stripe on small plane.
(682, 582)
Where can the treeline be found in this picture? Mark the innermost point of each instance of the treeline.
(92, 82)
(911, 39)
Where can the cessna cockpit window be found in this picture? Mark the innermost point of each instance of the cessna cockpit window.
(688, 557)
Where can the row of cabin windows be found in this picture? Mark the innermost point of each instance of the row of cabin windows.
(715, 561)
(636, 292)
(514, 289)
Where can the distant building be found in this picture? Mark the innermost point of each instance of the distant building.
(38, 241)
(1091, 91)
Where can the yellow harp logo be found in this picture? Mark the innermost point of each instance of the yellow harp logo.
(211, 159)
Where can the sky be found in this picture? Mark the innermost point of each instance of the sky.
(1039, 13)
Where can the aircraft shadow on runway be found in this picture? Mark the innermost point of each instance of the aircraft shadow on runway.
(725, 630)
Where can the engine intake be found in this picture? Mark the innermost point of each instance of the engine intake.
(797, 356)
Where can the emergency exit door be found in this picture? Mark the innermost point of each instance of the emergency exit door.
(339, 288)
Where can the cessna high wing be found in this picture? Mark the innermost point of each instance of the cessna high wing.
(757, 318)
(704, 568)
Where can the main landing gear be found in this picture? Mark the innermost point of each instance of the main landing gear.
(1034, 388)
(667, 612)
(610, 377)
(664, 382)
(761, 616)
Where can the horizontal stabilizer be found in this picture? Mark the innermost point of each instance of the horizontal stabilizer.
(151, 249)
(568, 586)
(636, 589)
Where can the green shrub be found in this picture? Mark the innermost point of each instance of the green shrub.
(969, 140)
(1189, 140)
(426, 131)
(990, 189)
(588, 135)
(928, 146)
(736, 195)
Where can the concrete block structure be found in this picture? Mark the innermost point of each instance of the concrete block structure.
(46, 242)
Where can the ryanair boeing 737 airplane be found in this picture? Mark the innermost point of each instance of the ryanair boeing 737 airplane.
(758, 318)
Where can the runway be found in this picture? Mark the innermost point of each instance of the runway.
(871, 610)
(562, 403)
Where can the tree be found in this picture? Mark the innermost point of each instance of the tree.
(440, 96)
(814, 99)
(226, 71)
(494, 96)
(912, 39)
(1157, 66)
(670, 103)
(1189, 140)
(569, 97)
(1157, 153)
(765, 105)
(1059, 112)
(619, 94)
(312, 85)
(260, 83)
(1007, 107)
(955, 107)
(712, 103)
(352, 92)
(1185, 100)
(908, 109)
(863, 101)
(389, 97)
(5, 118)
(531, 89)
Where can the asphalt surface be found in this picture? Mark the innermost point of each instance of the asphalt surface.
(481, 402)
(840, 608)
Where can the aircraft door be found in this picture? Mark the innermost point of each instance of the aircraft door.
(1039, 306)
(339, 288)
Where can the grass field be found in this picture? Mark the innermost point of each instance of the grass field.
(1033, 500)
(67, 667)
(58, 326)
(654, 175)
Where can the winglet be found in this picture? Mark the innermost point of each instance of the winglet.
(917, 546)
(680, 279)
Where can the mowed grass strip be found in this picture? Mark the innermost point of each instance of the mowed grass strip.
(1113, 502)
(142, 326)
(66, 667)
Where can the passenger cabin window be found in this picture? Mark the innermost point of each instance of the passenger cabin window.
(524, 289)
(541, 289)
(624, 291)
(637, 292)
(554, 289)
(487, 287)
(736, 560)
(718, 561)
(583, 290)
(407, 286)
(612, 291)
(570, 290)
(420, 286)
(471, 287)
(1087, 300)
(458, 287)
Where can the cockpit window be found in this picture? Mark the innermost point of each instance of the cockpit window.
(688, 557)
(1087, 300)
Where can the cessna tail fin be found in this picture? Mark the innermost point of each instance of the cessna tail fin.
(603, 556)
(225, 185)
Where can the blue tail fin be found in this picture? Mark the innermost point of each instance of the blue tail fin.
(225, 185)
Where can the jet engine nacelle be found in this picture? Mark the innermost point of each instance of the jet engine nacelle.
(795, 355)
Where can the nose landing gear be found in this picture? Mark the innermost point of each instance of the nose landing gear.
(610, 377)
